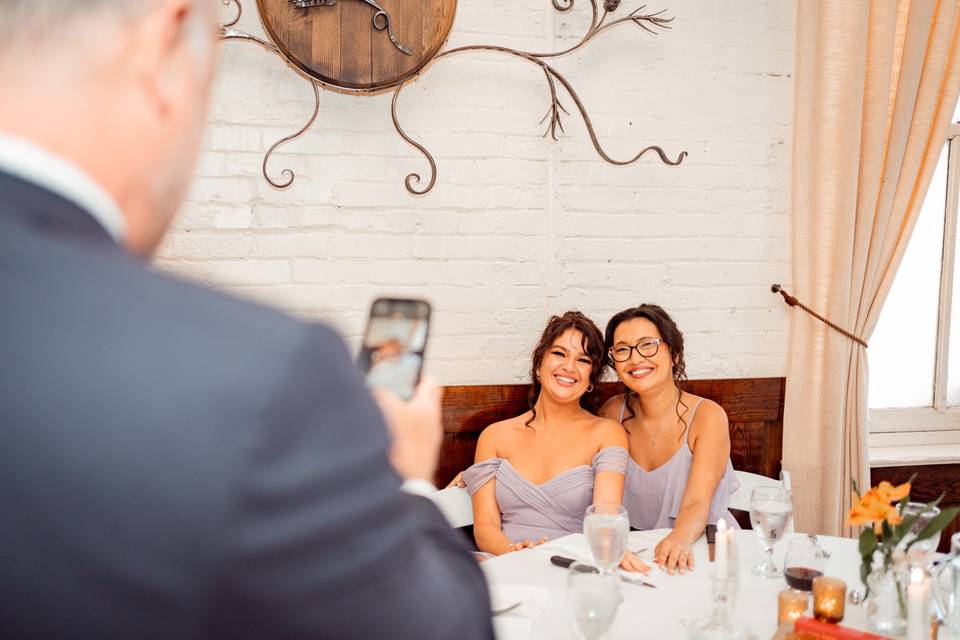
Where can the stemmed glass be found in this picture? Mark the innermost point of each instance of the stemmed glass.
(594, 600)
(719, 625)
(770, 511)
(605, 527)
(804, 562)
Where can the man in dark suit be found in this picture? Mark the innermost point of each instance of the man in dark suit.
(175, 463)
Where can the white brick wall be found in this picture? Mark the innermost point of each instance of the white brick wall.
(518, 227)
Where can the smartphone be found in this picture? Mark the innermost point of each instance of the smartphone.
(391, 354)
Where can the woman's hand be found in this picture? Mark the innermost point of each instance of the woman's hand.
(524, 544)
(674, 554)
(632, 562)
(457, 482)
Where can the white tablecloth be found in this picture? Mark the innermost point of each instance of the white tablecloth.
(652, 613)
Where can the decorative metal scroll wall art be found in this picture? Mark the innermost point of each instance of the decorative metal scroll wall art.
(370, 46)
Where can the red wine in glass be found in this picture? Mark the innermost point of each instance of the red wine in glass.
(801, 577)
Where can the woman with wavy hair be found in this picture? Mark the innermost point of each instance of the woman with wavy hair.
(679, 475)
(535, 474)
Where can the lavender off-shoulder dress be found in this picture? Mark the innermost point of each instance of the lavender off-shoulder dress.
(652, 498)
(548, 510)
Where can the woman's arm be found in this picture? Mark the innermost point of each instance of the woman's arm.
(487, 529)
(608, 487)
(710, 442)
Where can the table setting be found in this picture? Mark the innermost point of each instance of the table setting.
(761, 584)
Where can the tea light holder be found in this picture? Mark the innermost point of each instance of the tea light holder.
(829, 595)
(791, 604)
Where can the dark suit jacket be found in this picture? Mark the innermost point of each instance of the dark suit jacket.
(178, 464)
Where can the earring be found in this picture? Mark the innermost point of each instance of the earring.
(590, 388)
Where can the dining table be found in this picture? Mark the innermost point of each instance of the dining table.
(530, 592)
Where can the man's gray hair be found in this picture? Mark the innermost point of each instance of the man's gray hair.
(30, 20)
(37, 20)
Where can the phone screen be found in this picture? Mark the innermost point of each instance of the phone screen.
(391, 354)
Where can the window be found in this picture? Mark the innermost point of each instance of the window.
(914, 356)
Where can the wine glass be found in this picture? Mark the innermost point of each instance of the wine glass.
(803, 563)
(605, 527)
(594, 599)
(770, 511)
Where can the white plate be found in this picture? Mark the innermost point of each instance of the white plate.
(506, 596)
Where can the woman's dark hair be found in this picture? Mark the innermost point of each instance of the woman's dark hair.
(592, 345)
(671, 336)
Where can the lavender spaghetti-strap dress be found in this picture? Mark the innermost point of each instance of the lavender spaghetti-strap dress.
(548, 510)
(652, 498)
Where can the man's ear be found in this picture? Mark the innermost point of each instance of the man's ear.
(159, 44)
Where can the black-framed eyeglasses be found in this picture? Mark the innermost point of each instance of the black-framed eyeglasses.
(646, 348)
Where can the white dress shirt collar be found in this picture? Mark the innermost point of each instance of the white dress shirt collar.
(30, 162)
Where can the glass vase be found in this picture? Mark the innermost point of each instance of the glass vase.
(886, 602)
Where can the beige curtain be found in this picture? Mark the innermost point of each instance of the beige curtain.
(876, 85)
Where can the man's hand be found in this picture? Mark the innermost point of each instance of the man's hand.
(416, 430)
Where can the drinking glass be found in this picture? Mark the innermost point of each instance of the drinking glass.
(803, 563)
(594, 600)
(605, 527)
(770, 511)
(924, 515)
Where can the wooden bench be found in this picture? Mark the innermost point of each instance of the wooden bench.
(753, 405)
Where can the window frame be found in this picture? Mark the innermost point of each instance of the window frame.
(917, 435)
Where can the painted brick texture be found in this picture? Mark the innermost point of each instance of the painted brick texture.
(518, 227)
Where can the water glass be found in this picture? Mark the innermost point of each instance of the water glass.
(594, 599)
(606, 527)
(924, 515)
(946, 589)
(771, 509)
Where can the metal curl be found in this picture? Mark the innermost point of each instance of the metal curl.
(553, 114)
(413, 178)
(236, 18)
(288, 174)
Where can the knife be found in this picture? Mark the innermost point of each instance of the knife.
(711, 532)
(563, 561)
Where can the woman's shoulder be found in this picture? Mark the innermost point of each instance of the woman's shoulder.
(707, 409)
(500, 431)
(710, 417)
(608, 432)
(611, 408)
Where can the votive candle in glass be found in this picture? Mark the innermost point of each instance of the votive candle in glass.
(791, 604)
(829, 595)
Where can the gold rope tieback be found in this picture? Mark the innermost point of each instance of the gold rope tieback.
(793, 302)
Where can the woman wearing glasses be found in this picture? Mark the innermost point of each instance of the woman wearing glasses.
(536, 474)
(679, 474)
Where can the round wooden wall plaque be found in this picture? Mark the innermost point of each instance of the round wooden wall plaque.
(358, 45)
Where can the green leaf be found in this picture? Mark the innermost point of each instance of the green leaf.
(853, 484)
(938, 523)
(865, 569)
(868, 542)
(904, 527)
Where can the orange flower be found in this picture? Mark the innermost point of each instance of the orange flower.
(894, 494)
(875, 506)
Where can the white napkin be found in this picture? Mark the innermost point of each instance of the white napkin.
(575, 546)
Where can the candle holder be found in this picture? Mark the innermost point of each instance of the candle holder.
(829, 596)
(791, 604)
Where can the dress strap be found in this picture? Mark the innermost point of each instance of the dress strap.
(611, 459)
(623, 407)
(689, 421)
(480, 474)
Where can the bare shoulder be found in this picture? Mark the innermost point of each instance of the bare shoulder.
(499, 433)
(710, 417)
(609, 433)
(611, 408)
